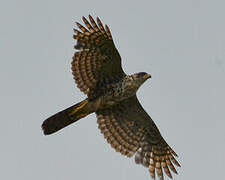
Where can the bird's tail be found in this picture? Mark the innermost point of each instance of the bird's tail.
(66, 117)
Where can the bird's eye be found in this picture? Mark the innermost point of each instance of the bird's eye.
(141, 74)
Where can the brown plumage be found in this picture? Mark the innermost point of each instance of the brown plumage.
(98, 60)
(111, 94)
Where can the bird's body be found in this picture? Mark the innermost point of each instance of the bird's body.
(111, 94)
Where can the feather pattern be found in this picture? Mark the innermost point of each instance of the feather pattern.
(130, 130)
(97, 59)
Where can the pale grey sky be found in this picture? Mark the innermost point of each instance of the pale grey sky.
(180, 43)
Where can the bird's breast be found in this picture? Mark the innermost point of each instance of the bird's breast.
(115, 93)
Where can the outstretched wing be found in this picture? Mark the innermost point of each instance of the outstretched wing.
(97, 62)
(129, 130)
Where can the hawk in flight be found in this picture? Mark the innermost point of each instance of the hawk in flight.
(111, 95)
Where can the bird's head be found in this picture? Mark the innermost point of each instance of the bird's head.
(140, 78)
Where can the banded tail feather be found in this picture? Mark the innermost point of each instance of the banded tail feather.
(66, 117)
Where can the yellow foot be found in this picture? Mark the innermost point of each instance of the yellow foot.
(81, 116)
(80, 106)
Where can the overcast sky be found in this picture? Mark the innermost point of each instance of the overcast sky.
(180, 43)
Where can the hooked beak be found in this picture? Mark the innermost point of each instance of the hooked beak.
(147, 76)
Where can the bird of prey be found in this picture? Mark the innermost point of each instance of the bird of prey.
(111, 95)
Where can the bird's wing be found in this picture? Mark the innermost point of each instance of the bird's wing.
(129, 130)
(97, 60)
